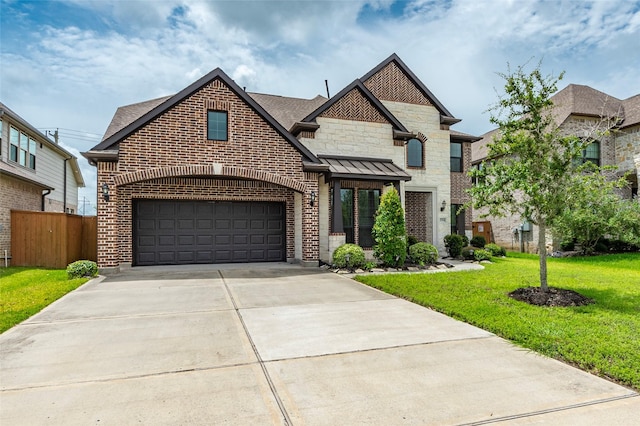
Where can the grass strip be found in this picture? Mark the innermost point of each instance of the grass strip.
(26, 291)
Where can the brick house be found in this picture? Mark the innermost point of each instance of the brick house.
(579, 109)
(216, 174)
(35, 173)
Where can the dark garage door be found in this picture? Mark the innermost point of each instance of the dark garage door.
(168, 232)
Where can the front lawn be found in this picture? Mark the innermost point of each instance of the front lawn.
(26, 291)
(602, 338)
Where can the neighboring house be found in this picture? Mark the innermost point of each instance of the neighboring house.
(35, 173)
(577, 111)
(215, 174)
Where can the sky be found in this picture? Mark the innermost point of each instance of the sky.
(69, 64)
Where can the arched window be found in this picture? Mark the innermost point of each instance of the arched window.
(414, 153)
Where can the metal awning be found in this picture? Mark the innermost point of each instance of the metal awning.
(364, 168)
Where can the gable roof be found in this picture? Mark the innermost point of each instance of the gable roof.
(375, 102)
(112, 140)
(577, 99)
(446, 116)
(287, 110)
(631, 111)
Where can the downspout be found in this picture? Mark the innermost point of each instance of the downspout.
(64, 191)
(44, 195)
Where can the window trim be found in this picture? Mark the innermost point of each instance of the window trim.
(226, 115)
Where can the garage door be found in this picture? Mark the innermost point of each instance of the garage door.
(169, 232)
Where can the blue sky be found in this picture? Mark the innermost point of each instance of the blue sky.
(69, 64)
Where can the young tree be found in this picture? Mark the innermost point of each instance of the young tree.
(389, 231)
(531, 166)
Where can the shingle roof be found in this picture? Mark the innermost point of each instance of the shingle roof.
(285, 110)
(577, 99)
(127, 114)
(463, 136)
(631, 111)
(364, 168)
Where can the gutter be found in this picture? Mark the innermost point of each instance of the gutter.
(43, 196)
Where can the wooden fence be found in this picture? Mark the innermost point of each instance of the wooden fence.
(52, 240)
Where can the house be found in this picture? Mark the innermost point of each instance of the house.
(215, 174)
(35, 173)
(578, 110)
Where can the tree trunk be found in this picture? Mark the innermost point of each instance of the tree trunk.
(542, 251)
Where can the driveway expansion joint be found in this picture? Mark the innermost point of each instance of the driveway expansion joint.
(274, 391)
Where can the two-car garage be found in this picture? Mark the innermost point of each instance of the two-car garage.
(172, 232)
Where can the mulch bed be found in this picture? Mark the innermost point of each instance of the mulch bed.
(552, 297)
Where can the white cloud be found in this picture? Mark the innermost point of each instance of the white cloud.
(67, 75)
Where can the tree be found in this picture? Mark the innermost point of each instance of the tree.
(389, 231)
(532, 165)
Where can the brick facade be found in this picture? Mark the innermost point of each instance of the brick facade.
(460, 182)
(419, 218)
(16, 195)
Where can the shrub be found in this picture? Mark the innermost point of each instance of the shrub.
(348, 256)
(411, 240)
(454, 244)
(369, 266)
(82, 268)
(467, 253)
(389, 231)
(424, 253)
(601, 246)
(481, 254)
(478, 241)
(495, 250)
(568, 245)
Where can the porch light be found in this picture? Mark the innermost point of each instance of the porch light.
(105, 191)
(313, 198)
(444, 205)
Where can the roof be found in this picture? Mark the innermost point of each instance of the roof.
(581, 100)
(448, 117)
(363, 168)
(631, 111)
(357, 85)
(456, 135)
(111, 141)
(287, 111)
(42, 138)
(129, 113)
(577, 99)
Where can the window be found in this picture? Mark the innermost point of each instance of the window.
(592, 153)
(22, 148)
(217, 124)
(368, 202)
(347, 214)
(455, 149)
(414, 153)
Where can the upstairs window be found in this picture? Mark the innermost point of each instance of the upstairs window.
(22, 148)
(414, 153)
(592, 153)
(217, 125)
(455, 149)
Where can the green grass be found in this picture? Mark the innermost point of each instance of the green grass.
(26, 291)
(602, 338)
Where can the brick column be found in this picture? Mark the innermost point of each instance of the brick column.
(108, 253)
(310, 222)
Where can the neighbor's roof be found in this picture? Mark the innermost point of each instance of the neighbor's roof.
(287, 111)
(363, 168)
(577, 99)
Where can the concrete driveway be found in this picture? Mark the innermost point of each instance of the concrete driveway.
(277, 344)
